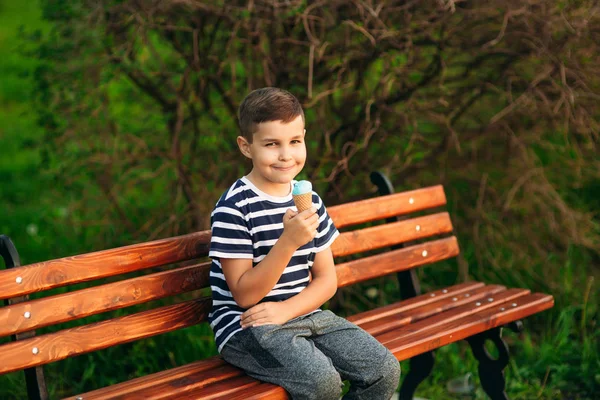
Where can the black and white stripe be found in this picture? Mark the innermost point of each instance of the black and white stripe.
(246, 223)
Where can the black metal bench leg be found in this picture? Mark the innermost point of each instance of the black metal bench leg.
(420, 368)
(34, 377)
(491, 371)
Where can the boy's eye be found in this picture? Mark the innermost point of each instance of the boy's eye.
(296, 141)
(270, 144)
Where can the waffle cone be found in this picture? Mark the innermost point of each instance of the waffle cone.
(303, 201)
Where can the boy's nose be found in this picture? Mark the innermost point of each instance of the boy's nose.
(284, 155)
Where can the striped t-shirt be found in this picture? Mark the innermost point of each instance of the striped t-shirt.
(246, 223)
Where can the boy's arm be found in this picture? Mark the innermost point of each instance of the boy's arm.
(249, 285)
(322, 287)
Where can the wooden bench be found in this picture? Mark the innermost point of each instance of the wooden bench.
(410, 328)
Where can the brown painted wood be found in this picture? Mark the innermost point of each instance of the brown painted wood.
(82, 303)
(382, 207)
(264, 391)
(452, 315)
(177, 388)
(396, 260)
(405, 347)
(219, 390)
(55, 273)
(390, 234)
(392, 322)
(123, 388)
(224, 373)
(417, 301)
(74, 341)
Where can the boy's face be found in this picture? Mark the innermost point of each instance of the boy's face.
(278, 154)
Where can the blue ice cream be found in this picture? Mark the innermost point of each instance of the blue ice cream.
(301, 187)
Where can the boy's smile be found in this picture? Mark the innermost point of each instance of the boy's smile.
(278, 154)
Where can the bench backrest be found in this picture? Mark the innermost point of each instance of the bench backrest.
(191, 274)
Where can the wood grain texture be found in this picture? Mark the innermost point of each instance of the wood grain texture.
(396, 260)
(64, 271)
(397, 320)
(382, 207)
(405, 305)
(451, 315)
(82, 303)
(157, 378)
(405, 347)
(183, 383)
(390, 234)
(74, 341)
(264, 391)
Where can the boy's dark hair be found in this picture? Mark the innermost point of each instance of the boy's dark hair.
(264, 105)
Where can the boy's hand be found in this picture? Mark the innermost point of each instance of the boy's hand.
(265, 314)
(300, 228)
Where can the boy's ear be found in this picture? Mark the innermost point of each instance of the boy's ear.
(244, 146)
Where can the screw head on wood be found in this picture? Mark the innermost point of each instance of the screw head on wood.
(19, 279)
(478, 304)
(27, 314)
(418, 228)
(424, 253)
(35, 350)
(411, 200)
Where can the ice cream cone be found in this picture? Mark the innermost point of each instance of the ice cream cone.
(303, 201)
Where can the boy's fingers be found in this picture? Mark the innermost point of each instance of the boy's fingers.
(309, 212)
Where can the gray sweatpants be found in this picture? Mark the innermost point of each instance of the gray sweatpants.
(310, 356)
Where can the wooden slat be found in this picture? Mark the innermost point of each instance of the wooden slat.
(405, 305)
(405, 346)
(187, 375)
(82, 303)
(391, 205)
(396, 260)
(416, 314)
(133, 385)
(264, 391)
(83, 339)
(219, 390)
(452, 315)
(176, 388)
(100, 264)
(390, 234)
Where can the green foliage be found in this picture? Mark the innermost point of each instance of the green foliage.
(115, 131)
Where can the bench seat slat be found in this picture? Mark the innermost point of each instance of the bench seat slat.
(390, 234)
(402, 306)
(381, 207)
(111, 296)
(205, 381)
(63, 271)
(143, 382)
(146, 385)
(453, 314)
(407, 346)
(73, 341)
(394, 321)
(396, 260)
(219, 390)
(264, 391)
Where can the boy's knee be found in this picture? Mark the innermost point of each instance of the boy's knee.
(327, 385)
(390, 370)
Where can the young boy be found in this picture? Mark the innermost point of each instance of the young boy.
(273, 268)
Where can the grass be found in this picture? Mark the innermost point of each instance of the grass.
(555, 358)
